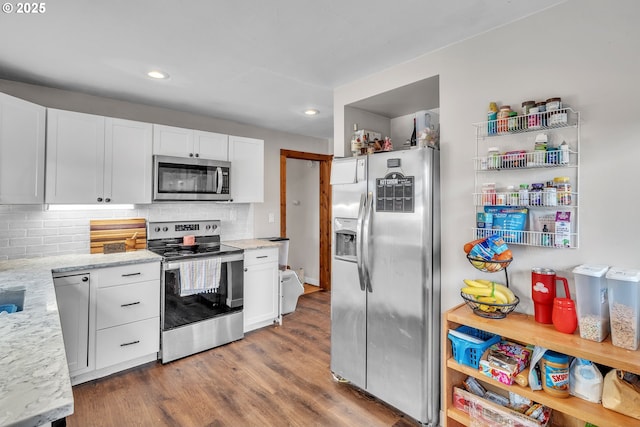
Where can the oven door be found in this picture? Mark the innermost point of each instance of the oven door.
(198, 289)
(195, 320)
(178, 178)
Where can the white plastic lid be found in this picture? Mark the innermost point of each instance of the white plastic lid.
(594, 270)
(623, 275)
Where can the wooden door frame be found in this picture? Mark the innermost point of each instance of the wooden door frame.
(325, 207)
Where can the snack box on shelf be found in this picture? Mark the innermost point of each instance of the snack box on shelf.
(486, 413)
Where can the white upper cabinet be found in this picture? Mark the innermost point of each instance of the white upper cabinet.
(210, 145)
(128, 161)
(247, 169)
(181, 142)
(93, 159)
(75, 157)
(22, 150)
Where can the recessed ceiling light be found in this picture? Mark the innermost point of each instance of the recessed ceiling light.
(156, 74)
(311, 112)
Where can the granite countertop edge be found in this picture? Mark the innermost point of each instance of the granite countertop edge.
(248, 244)
(35, 387)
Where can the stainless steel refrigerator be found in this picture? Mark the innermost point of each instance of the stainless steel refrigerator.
(385, 292)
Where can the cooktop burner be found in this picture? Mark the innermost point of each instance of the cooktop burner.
(171, 252)
(166, 239)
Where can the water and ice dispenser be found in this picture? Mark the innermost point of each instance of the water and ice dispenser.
(345, 238)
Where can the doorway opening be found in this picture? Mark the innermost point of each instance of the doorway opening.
(324, 207)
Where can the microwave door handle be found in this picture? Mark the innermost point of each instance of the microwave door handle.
(219, 174)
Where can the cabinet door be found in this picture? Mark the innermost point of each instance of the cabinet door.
(172, 141)
(72, 295)
(261, 295)
(247, 169)
(210, 145)
(128, 161)
(22, 132)
(75, 157)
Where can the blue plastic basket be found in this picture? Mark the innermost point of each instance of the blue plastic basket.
(9, 308)
(468, 353)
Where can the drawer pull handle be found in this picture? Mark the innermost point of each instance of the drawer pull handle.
(131, 274)
(130, 304)
(129, 343)
(263, 256)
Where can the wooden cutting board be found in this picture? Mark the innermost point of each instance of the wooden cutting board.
(110, 231)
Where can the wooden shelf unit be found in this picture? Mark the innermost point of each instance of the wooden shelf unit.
(523, 328)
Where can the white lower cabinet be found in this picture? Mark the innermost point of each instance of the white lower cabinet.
(122, 324)
(118, 305)
(127, 342)
(261, 288)
(72, 295)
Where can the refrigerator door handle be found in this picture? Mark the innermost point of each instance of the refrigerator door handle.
(359, 241)
(366, 240)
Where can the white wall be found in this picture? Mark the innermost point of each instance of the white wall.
(303, 217)
(257, 222)
(583, 51)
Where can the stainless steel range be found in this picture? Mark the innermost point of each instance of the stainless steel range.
(202, 287)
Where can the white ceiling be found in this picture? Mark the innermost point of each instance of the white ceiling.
(260, 62)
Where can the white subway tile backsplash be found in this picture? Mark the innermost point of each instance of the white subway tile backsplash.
(12, 233)
(19, 225)
(42, 249)
(74, 230)
(9, 251)
(42, 232)
(81, 247)
(28, 231)
(57, 239)
(25, 241)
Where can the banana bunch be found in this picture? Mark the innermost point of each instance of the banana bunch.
(486, 291)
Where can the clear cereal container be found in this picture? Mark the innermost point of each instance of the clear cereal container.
(592, 302)
(624, 298)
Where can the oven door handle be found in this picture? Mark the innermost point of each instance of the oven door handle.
(174, 265)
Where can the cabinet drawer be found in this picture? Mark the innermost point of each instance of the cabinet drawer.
(122, 304)
(122, 343)
(132, 273)
(260, 256)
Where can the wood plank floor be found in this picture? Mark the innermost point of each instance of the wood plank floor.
(275, 376)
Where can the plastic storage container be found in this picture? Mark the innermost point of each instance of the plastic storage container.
(467, 352)
(623, 287)
(592, 301)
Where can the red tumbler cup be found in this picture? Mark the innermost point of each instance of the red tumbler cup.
(543, 292)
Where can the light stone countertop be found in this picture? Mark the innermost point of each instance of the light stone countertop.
(248, 244)
(35, 388)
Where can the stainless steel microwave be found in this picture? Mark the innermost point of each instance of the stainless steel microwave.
(190, 179)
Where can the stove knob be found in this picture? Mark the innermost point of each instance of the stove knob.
(165, 228)
(157, 229)
(208, 227)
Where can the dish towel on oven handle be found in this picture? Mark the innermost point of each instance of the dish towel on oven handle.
(199, 276)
